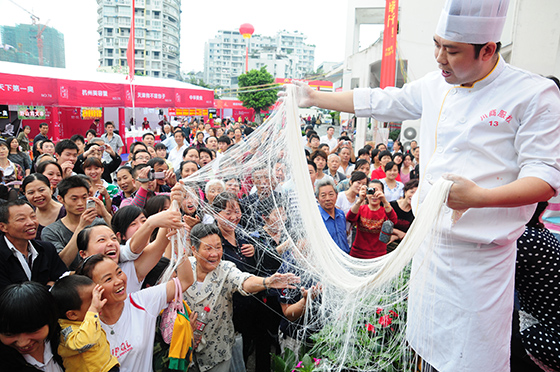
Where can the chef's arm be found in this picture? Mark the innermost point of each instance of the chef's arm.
(339, 101)
(466, 194)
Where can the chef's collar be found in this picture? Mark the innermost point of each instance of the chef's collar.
(488, 79)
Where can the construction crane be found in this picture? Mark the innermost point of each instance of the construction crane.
(40, 41)
(35, 21)
(34, 18)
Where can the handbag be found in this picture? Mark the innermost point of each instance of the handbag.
(170, 314)
(386, 231)
(177, 355)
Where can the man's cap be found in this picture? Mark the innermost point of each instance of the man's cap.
(472, 21)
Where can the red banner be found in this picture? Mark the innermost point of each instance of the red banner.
(44, 91)
(147, 96)
(27, 90)
(388, 59)
(193, 98)
(77, 93)
(130, 51)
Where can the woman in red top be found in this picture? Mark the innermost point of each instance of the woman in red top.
(369, 218)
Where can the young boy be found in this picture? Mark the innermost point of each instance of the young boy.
(83, 343)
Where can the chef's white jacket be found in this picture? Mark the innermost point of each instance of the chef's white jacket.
(505, 127)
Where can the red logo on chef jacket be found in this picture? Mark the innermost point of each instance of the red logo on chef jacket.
(119, 351)
(495, 116)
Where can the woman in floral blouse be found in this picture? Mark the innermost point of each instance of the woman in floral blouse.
(215, 283)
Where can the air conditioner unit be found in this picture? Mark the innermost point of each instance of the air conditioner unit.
(410, 131)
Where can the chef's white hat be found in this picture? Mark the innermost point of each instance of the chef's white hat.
(472, 21)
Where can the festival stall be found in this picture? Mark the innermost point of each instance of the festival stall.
(69, 102)
(232, 108)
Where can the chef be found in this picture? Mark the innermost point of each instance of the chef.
(493, 130)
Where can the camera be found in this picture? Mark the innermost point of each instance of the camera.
(371, 190)
(153, 176)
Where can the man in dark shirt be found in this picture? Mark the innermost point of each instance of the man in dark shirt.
(22, 258)
(43, 132)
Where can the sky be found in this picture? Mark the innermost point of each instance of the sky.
(322, 21)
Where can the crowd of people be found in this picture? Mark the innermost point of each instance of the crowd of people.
(75, 206)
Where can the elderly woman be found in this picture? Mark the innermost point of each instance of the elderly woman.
(216, 281)
(213, 188)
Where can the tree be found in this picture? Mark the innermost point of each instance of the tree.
(261, 97)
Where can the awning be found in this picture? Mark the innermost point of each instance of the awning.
(22, 84)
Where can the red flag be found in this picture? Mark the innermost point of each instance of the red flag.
(130, 49)
(388, 60)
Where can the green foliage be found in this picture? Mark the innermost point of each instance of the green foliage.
(289, 363)
(335, 115)
(395, 134)
(284, 364)
(264, 97)
(378, 337)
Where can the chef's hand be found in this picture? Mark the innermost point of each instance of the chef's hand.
(464, 193)
(303, 94)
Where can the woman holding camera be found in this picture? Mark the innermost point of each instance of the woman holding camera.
(369, 218)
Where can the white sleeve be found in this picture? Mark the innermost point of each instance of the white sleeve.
(126, 253)
(537, 140)
(153, 299)
(390, 104)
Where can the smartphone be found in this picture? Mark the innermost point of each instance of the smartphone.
(90, 204)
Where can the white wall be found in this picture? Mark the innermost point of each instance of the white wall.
(536, 36)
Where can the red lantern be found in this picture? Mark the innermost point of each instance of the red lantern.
(246, 29)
